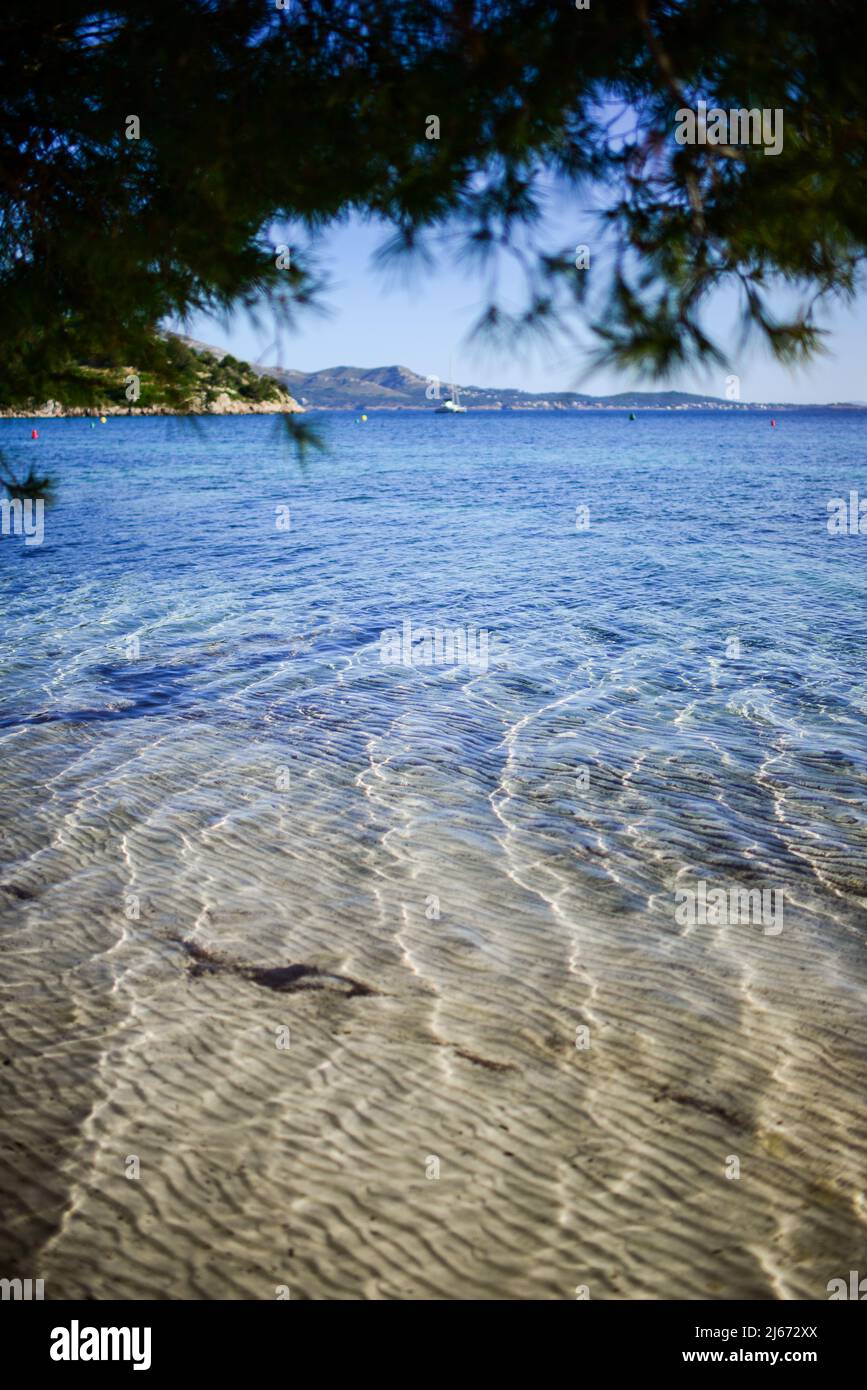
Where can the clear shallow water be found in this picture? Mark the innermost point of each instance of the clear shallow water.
(256, 789)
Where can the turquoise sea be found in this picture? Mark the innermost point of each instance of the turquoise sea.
(451, 884)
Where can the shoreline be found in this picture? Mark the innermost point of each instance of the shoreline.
(52, 410)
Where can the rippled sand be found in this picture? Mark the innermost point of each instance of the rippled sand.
(256, 827)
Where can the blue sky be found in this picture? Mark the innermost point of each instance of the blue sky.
(376, 320)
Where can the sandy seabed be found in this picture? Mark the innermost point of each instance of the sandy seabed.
(490, 1088)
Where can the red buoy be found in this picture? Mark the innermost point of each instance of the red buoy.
(774, 424)
(34, 434)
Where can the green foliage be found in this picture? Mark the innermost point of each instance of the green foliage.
(252, 116)
(306, 438)
(34, 485)
(178, 378)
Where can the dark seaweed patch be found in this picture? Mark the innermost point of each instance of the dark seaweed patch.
(486, 1062)
(705, 1107)
(285, 979)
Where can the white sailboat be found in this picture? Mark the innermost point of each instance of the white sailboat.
(453, 405)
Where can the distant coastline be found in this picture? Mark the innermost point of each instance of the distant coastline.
(366, 389)
(546, 406)
(54, 410)
(216, 383)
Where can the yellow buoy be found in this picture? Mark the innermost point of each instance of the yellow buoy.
(364, 417)
(103, 420)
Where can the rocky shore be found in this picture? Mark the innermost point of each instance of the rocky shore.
(224, 404)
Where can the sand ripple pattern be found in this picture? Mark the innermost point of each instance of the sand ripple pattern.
(256, 791)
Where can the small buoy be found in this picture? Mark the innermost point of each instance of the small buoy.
(631, 415)
(93, 424)
(364, 417)
(773, 424)
(103, 420)
(34, 434)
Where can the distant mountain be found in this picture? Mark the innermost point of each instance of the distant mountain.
(398, 388)
(356, 388)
